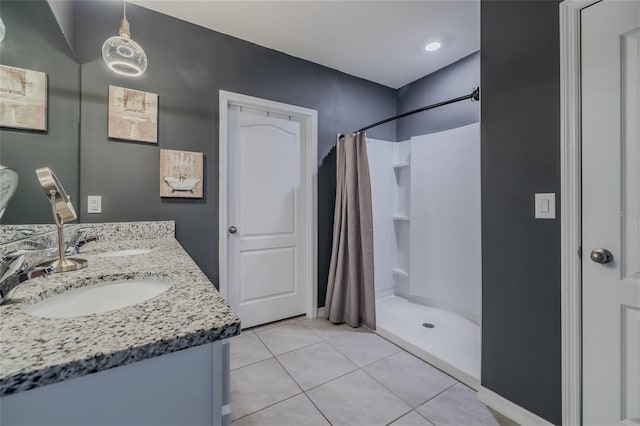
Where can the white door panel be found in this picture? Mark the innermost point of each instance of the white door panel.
(265, 203)
(611, 194)
(267, 273)
(264, 187)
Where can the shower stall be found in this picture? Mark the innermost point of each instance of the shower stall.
(427, 247)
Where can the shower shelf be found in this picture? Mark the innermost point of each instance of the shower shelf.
(401, 165)
(400, 272)
(400, 217)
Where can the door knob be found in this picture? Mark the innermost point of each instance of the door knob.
(601, 255)
(233, 229)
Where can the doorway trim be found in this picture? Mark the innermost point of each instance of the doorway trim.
(309, 124)
(570, 208)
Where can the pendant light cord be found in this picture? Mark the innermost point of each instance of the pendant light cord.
(125, 30)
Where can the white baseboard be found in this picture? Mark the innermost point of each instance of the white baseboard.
(322, 313)
(509, 409)
(226, 415)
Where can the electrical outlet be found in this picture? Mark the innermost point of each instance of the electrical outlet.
(94, 204)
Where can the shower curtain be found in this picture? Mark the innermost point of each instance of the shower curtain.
(350, 288)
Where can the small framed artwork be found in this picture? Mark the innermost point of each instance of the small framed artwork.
(181, 173)
(133, 115)
(23, 98)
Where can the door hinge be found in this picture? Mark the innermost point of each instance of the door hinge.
(580, 252)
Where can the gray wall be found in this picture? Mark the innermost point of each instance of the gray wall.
(520, 74)
(457, 79)
(187, 66)
(65, 13)
(34, 41)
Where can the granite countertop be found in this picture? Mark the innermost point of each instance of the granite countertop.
(39, 351)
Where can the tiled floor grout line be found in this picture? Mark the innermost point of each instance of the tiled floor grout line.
(335, 378)
(329, 381)
(425, 417)
(347, 356)
(391, 391)
(398, 396)
(385, 387)
(279, 363)
(433, 397)
(265, 345)
(299, 323)
(339, 377)
(268, 406)
(299, 386)
(293, 350)
(289, 374)
(301, 347)
(302, 391)
(252, 363)
(288, 352)
(365, 365)
(399, 417)
(318, 408)
(316, 333)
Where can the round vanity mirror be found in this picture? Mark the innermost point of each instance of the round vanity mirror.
(50, 183)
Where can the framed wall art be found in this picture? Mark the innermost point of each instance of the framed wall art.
(23, 98)
(133, 115)
(181, 173)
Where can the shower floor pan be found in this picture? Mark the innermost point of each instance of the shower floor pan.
(452, 345)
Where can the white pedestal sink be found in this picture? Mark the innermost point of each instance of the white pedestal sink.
(98, 298)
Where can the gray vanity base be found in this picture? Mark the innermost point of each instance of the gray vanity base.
(181, 388)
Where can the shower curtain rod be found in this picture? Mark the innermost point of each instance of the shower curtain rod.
(474, 96)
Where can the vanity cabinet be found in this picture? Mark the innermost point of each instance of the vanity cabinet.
(188, 387)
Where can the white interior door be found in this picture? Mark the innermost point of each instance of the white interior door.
(267, 277)
(611, 220)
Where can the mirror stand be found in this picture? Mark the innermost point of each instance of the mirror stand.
(62, 264)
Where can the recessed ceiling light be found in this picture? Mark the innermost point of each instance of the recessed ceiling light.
(433, 46)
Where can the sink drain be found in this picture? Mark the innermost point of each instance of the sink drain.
(428, 325)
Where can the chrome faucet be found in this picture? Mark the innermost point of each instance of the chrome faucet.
(37, 251)
(15, 269)
(78, 240)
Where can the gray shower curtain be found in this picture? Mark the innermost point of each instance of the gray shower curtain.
(350, 291)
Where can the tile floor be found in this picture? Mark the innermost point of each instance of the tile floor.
(311, 372)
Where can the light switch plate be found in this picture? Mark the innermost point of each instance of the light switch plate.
(94, 204)
(546, 206)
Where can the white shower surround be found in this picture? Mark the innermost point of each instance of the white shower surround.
(446, 262)
(427, 244)
(380, 154)
(426, 218)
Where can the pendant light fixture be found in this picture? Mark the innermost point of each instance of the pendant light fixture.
(123, 55)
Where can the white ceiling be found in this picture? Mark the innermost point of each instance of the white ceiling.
(381, 41)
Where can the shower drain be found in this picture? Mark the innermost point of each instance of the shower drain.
(428, 325)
